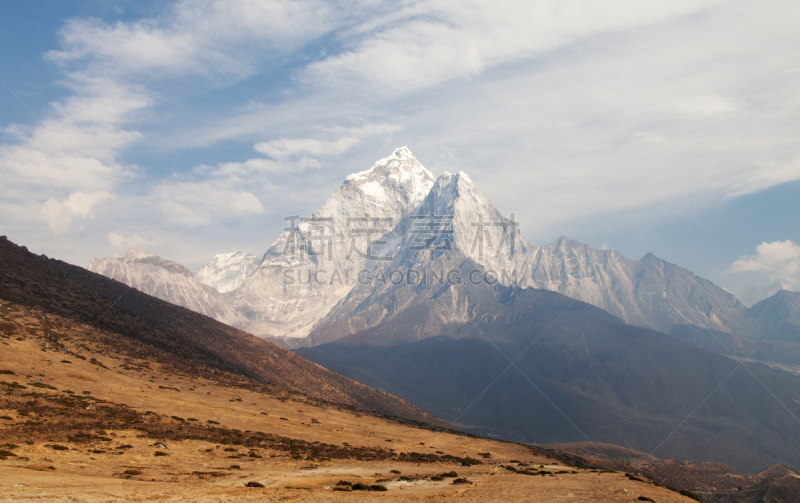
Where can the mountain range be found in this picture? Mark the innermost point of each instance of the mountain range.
(648, 292)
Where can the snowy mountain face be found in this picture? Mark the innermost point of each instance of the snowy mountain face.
(426, 254)
(166, 280)
(226, 271)
(307, 270)
(324, 270)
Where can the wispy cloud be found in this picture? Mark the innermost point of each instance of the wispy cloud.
(779, 260)
(345, 139)
(439, 40)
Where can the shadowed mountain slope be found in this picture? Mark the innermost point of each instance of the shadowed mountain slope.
(769, 332)
(578, 373)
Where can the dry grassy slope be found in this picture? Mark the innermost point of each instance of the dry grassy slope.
(106, 401)
(78, 294)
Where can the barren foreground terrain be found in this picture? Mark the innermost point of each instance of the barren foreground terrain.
(86, 415)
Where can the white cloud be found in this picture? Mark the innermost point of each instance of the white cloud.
(209, 195)
(245, 202)
(203, 203)
(232, 35)
(77, 145)
(779, 260)
(429, 42)
(97, 46)
(125, 241)
(706, 105)
(285, 148)
(65, 166)
(59, 214)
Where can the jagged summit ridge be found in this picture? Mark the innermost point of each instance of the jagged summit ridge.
(399, 165)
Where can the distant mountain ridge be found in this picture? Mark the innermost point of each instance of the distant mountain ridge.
(168, 281)
(752, 295)
(649, 292)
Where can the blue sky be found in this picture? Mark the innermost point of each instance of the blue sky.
(190, 128)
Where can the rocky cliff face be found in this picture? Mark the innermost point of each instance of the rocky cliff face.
(648, 292)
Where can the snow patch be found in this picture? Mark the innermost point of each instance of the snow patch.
(374, 190)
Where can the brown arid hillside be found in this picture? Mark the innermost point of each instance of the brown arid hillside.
(77, 294)
(90, 415)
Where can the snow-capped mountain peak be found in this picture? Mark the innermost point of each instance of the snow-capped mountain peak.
(279, 298)
(401, 157)
(399, 174)
(383, 194)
